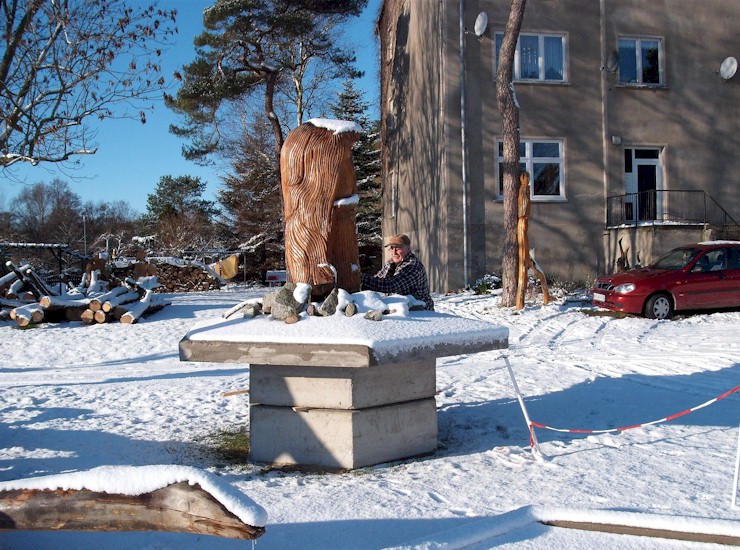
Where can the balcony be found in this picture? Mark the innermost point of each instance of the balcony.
(683, 208)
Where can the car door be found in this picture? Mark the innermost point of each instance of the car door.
(705, 285)
(733, 276)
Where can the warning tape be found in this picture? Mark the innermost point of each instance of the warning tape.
(624, 428)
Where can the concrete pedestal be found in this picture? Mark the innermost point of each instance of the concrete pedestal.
(341, 392)
(342, 417)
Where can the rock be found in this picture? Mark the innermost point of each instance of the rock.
(329, 307)
(351, 309)
(374, 315)
(252, 310)
(292, 319)
(283, 303)
(312, 310)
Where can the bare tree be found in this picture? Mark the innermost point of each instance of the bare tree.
(509, 108)
(64, 63)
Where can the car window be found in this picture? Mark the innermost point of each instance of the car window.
(714, 260)
(676, 259)
(733, 258)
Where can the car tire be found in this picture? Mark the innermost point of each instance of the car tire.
(659, 306)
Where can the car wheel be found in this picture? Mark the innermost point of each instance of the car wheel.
(659, 307)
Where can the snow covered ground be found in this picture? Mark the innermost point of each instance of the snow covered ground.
(76, 397)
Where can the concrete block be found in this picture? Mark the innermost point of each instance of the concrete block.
(341, 387)
(343, 439)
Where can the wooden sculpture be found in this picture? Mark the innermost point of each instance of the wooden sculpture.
(320, 203)
(525, 260)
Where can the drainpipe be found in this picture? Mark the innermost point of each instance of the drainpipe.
(464, 158)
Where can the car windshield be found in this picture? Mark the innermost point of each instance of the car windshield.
(676, 259)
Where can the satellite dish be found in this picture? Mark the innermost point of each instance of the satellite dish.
(481, 22)
(728, 68)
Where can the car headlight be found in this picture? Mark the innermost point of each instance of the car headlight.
(625, 288)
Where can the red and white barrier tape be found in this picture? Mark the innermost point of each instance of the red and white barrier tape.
(623, 428)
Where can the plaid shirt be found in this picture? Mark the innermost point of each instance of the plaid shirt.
(406, 277)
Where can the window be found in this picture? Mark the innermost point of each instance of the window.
(538, 57)
(544, 162)
(640, 61)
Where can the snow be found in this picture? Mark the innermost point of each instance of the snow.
(336, 126)
(78, 401)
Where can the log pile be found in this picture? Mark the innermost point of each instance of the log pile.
(28, 300)
(173, 275)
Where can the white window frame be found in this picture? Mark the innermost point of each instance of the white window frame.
(540, 58)
(528, 162)
(638, 61)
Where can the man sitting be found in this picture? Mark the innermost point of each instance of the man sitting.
(403, 274)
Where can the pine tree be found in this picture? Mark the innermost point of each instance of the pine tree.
(366, 155)
(250, 198)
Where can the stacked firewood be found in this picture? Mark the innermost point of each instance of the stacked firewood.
(174, 275)
(29, 300)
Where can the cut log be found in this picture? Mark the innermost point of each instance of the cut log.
(100, 317)
(97, 302)
(128, 297)
(63, 302)
(87, 316)
(146, 305)
(179, 507)
(28, 314)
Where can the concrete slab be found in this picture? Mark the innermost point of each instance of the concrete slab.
(341, 387)
(339, 341)
(344, 439)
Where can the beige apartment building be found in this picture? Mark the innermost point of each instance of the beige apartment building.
(628, 126)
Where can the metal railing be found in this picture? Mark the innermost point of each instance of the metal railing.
(666, 207)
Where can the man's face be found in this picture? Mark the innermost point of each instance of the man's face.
(398, 252)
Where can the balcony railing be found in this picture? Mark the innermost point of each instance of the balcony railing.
(667, 207)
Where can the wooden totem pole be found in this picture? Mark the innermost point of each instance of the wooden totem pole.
(320, 205)
(525, 260)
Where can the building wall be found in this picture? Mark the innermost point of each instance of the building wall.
(692, 119)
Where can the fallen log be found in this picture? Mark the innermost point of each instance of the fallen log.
(28, 314)
(144, 306)
(201, 504)
(87, 316)
(97, 302)
(63, 302)
(115, 301)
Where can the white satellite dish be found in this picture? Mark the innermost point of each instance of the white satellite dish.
(481, 22)
(728, 68)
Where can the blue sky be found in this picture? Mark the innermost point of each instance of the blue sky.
(132, 157)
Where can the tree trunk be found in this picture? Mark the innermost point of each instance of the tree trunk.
(509, 109)
(179, 507)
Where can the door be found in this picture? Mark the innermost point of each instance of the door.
(642, 182)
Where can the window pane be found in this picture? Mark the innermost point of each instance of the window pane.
(553, 58)
(540, 150)
(501, 178)
(627, 61)
(529, 57)
(546, 179)
(650, 66)
(646, 153)
(499, 41)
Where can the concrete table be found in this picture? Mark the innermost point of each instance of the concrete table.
(341, 392)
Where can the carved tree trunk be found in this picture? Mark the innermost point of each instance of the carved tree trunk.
(317, 171)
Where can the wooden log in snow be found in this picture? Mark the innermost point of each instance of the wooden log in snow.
(87, 316)
(148, 304)
(63, 302)
(179, 507)
(28, 314)
(128, 297)
(96, 303)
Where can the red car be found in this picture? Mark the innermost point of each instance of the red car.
(698, 276)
